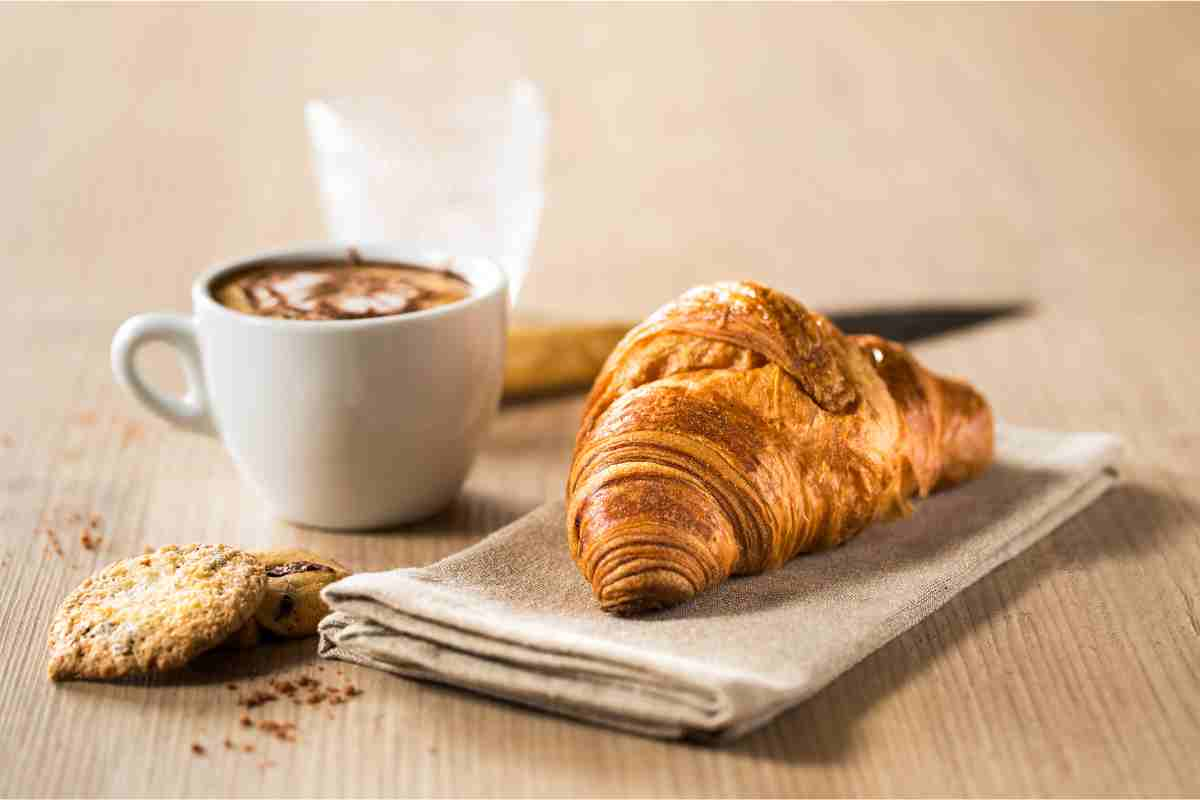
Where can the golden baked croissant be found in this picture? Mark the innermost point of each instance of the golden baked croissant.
(734, 429)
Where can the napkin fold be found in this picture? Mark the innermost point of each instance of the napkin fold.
(512, 617)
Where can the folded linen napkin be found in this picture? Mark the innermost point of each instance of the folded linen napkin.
(512, 616)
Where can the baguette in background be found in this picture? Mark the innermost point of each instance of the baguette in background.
(556, 357)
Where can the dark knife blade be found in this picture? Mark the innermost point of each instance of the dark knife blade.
(922, 322)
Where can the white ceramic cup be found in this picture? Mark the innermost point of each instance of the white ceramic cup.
(342, 423)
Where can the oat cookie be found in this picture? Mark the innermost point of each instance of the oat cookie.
(246, 637)
(154, 612)
(292, 605)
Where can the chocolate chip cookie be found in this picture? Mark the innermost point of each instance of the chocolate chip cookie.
(154, 612)
(292, 605)
(246, 637)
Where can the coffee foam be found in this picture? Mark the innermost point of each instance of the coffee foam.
(325, 291)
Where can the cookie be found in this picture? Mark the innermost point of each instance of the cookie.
(292, 605)
(154, 612)
(246, 637)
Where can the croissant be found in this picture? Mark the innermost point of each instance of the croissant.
(735, 429)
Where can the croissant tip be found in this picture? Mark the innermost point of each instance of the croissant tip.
(644, 592)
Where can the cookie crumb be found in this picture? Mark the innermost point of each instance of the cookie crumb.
(247, 748)
(257, 698)
(229, 743)
(95, 520)
(132, 432)
(198, 749)
(246, 721)
(306, 682)
(54, 545)
(89, 541)
(231, 687)
(352, 690)
(283, 731)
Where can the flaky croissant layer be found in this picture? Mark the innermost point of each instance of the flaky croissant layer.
(734, 429)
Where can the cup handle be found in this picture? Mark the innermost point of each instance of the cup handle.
(190, 411)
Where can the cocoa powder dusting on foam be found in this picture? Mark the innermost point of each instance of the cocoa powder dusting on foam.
(333, 290)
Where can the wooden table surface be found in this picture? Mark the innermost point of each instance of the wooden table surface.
(851, 155)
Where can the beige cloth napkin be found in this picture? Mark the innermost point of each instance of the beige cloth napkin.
(513, 618)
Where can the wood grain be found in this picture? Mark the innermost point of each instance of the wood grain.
(851, 155)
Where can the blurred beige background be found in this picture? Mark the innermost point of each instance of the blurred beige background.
(851, 154)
